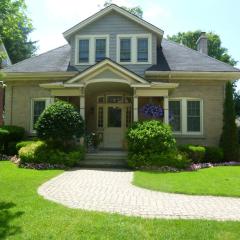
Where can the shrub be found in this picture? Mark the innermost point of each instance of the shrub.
(10, 134)
(21, 144)
(170, 159)
(214, 154)
(229, 138)
(40, 152)
(150, 137)
(60, 123)
(195, 153)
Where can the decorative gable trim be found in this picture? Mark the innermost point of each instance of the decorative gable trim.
(103, 65)
(105, 11)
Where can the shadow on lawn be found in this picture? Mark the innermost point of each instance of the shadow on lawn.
(7, 215)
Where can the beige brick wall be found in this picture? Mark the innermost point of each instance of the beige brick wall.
(212, 94)
(18, 102)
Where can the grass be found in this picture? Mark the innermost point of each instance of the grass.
(26, 215)
(217, 181)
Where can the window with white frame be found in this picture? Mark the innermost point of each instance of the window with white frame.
(83, 51)
(186, 116)
(142, 49)
(37, 107)
(91, 49)
(125, 49)
(100, 52)
(134, 48)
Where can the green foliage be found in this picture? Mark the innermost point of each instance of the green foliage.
(134, 10)
(195, 153)
(60, 122)
(15, 28)
(229, 137)
(21, 144)
(150, 136)
(171, 159)
(215, 48)
(40, 152)
(148, 141)
(9, 135)
(214, 154)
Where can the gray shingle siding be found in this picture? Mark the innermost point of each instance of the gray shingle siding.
(113, 24)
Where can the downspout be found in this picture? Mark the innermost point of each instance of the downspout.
(11, 105)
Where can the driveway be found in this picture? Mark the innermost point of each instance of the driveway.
(111, 191)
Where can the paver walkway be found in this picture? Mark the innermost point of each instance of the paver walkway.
(112, 191)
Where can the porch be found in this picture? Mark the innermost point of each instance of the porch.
(109, 98)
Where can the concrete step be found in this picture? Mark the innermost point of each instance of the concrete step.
(105, 159)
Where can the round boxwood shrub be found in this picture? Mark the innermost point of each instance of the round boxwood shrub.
(214, 155)
(146, 139)
(193, 152)
(21, 144)
(60, 122)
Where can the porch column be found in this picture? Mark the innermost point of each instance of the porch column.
(135, 108)
(82, 104)
(166, 112)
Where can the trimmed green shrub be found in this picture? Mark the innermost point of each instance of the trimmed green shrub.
(195, 153)
(21, 144)
(214, 154)
(171, 159)
(150, 137)
(60, 123)
(10, 134)
(40, 152)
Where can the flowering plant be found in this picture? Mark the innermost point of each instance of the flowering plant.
(152, 111)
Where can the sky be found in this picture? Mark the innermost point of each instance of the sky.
(52, 17)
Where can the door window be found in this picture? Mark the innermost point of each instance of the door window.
(114, 117)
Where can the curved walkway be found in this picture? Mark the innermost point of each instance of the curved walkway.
(111, 191)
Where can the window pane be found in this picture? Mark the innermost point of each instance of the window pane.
(100, 117)
(84, 51)
(100, 49)
(175, 115)
(114, 117)
(193, 116)
(142, 49)
(125, 50)
(114, 99)
(38, 107)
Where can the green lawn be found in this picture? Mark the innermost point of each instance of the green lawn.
(217, 181)
(25, 215)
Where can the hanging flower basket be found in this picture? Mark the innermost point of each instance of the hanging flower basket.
(152, 111)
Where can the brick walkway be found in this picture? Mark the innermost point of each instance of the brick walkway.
(111, 191)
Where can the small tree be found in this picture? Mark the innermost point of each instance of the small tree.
(229, 140)
(60, 123)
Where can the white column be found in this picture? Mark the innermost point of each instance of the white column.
(82, 103)
(135, 108)
(166, 112)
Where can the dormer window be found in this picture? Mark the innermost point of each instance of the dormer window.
(100, 49)
(84, 51)
(142, 50)
(125, 50)
(91, 49)
(134, 48)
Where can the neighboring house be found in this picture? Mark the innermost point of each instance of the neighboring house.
(5, 62)
(113, 64)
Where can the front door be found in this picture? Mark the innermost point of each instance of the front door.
(113, 132)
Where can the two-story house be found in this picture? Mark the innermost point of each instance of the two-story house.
(113, 64)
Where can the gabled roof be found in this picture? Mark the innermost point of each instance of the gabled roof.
(107, 64)
(56, 60)
(107, 10)
(176, 57)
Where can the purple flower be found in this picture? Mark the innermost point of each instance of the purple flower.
(152, 111)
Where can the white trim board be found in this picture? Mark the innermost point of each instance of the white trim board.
(107, 10)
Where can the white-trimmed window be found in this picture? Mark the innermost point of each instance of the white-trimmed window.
(37, 107)
(186, 116)
(91, 49)
(134, 48)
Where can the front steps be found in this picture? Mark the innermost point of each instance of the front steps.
(105, 159)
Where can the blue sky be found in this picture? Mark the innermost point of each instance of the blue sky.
(52, 17)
